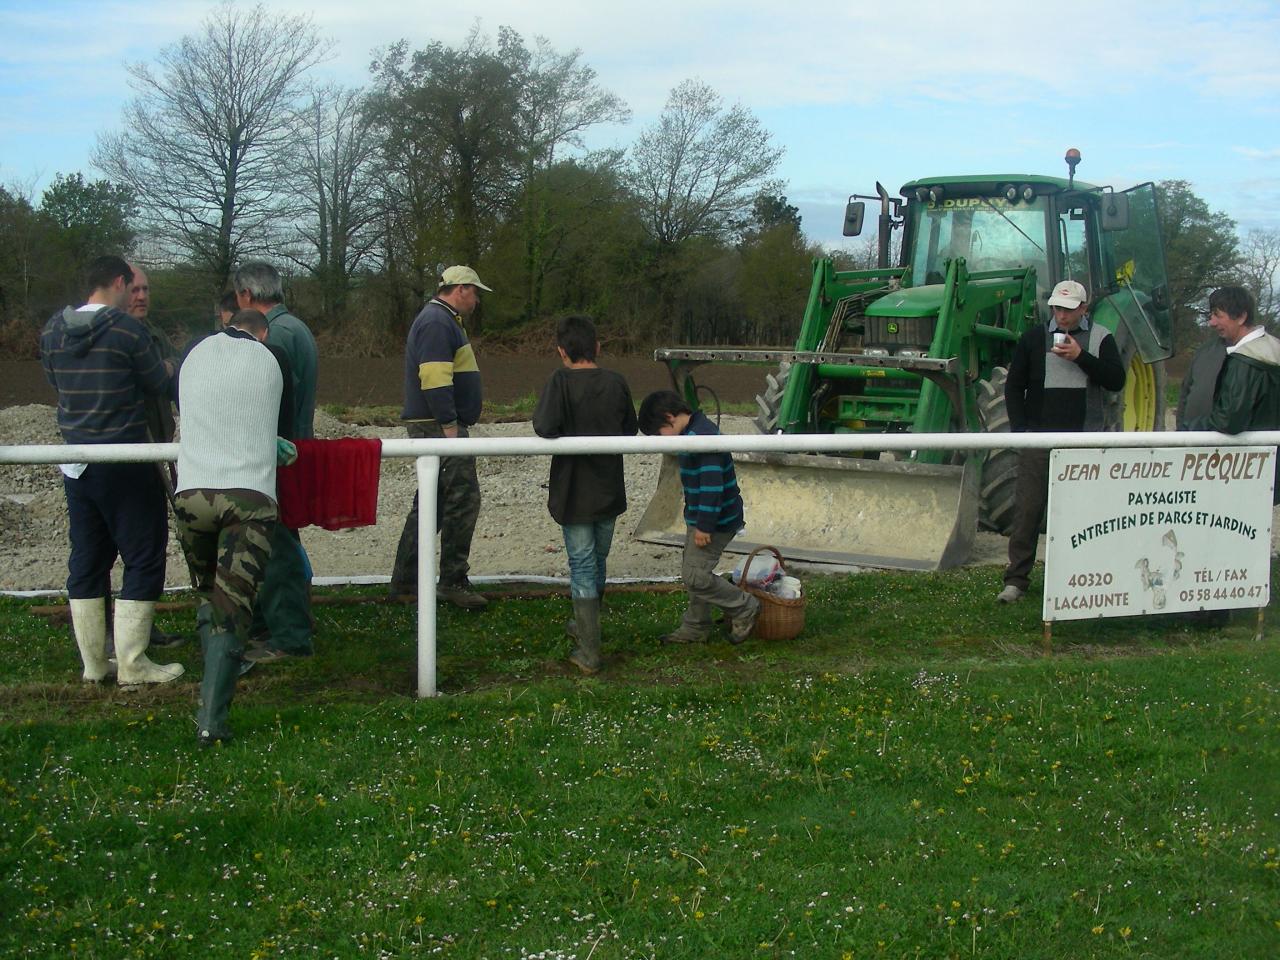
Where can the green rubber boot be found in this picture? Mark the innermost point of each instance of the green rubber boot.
(221, 670)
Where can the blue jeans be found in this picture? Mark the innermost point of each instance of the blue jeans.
(587, 545)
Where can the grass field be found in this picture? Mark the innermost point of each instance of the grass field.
(910, 778)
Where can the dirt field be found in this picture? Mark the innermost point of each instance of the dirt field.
(375, 382)
(514, 537)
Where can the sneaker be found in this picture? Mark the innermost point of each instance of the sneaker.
(740, 628)
(1010, 594)
(461, 595)
(402, 593)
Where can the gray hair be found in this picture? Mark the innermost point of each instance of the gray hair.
(260, 280)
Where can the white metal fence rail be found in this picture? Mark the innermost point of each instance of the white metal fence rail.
(428, 454)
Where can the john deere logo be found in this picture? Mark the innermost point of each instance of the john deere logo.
(893, 328)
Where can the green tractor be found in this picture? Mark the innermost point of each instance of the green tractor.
(924, 347)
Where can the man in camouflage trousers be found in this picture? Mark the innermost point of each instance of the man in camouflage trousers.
(234, 395)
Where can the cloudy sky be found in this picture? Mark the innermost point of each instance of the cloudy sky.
(854, 91)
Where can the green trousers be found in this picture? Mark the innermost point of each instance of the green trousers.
(283, 610)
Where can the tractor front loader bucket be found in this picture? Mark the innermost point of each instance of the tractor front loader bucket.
(875, 513)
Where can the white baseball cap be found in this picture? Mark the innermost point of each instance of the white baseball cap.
(455, 276)
(1068, 294)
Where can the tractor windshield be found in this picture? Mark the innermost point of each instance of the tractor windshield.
(991, 233)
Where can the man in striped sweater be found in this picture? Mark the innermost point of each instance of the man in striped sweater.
(104, 363)
(713, 513)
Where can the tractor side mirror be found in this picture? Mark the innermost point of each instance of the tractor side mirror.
(853, 214)
(1115, 212)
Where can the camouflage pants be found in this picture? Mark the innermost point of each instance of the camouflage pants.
(457, 509)
(227, 536)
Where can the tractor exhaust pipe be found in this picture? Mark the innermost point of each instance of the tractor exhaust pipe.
(886, 227)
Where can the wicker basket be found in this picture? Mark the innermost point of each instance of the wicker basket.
(780, 618)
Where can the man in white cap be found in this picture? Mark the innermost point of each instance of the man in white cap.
(442, 398)
(1055, 384)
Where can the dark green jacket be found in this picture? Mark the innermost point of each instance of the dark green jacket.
(1195, 399)
(1248, 392)
(290, 334)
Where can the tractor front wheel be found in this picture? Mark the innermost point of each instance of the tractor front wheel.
(999, 485)
(769, 403)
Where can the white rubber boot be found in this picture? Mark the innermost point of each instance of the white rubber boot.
(133, 633)
(89, 622)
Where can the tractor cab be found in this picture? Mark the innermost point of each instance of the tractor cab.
(1064, 229)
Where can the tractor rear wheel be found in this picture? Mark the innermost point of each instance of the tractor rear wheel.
(769, 403)
(1000, 471)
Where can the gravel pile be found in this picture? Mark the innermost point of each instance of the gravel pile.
(515, 534)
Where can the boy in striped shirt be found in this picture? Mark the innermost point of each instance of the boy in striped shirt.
(713, 515)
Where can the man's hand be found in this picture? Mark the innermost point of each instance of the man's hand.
(700, 537)
(450, 432)
(1068, 350)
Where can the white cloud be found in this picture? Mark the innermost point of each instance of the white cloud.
(1254, 153)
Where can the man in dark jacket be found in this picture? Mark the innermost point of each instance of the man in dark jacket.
(1055, 384)
(1246, 392)
(104, 363)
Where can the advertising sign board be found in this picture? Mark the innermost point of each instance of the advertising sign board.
(1134, 532)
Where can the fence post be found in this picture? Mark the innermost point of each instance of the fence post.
(428, 470)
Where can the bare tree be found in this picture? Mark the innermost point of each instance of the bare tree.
(335, 189)
(695, 174)
(1260, 272)
(697, 170)
(205, 137)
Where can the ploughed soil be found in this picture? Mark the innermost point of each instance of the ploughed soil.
(508, 377)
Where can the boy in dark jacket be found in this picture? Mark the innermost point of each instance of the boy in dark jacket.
(713, 514)
(586, 493)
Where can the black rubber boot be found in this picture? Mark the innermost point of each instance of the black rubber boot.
(160, 639)
(586, 655)
(221, 670)
(571, 625)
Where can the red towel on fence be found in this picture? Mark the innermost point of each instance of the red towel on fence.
(333, 484)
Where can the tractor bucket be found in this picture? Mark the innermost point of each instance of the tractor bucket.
(876, 513)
